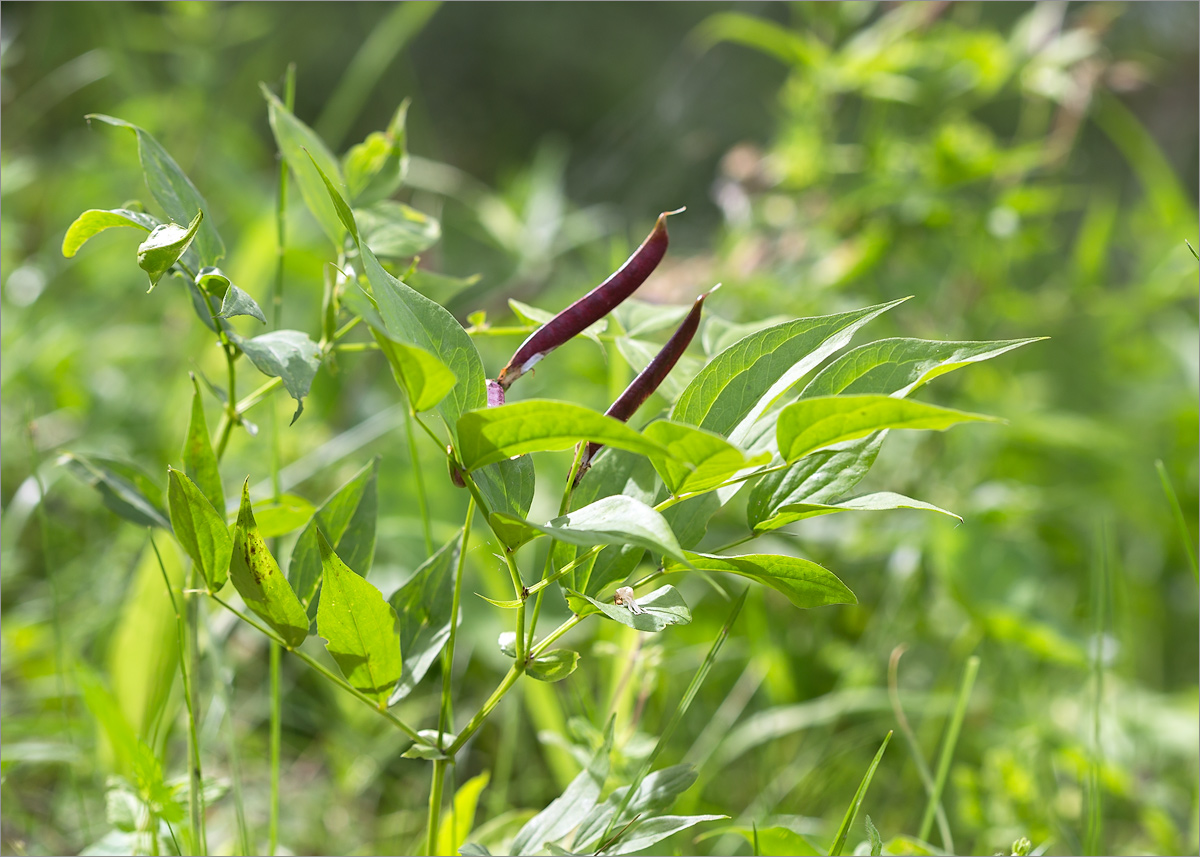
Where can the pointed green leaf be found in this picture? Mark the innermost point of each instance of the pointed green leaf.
(257, 577)
(412, 318)
(289, 355)
(359, 626)
(347, 519)
(173, 190)
(456, 825)
(234, 301)
(94, 221)
(199, 460)
(811, 424)
(616, 520)
(304, 151)
(163, 247)
(566, 811)
(124, 489)
(424, 605)
(394, 230)
(645, 833)
(874, 839)
(554, 665)
(805, 583)
(200, 530)
(699, 460)
(488, 435)
(424, 378)
(375, 168)
(741, 382)
(660, 608)
(654, 794)
(839, 841)
(878, 502)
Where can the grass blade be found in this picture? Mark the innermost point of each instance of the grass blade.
(1177, 511)
(839, 841)
(952, 730)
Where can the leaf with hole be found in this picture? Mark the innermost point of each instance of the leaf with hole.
(359, 627)
(257, 578)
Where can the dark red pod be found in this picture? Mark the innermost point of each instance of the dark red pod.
(593, 306)
(649, 379)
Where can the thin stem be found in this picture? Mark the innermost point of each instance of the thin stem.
(446, 716)
(952, 730)
(563, 507)
(522, 595)
(422, 498)
(351, 347)
(435, 805)
(188, 658)
(510, 678)
(1177, 512)
(554, 635)
(276, 745)
(322, 669)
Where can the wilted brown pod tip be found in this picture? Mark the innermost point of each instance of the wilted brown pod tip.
(593, 306)
(649, 379)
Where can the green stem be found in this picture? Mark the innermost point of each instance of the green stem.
(189, 656)
(952, 730)
(1177, 511)
(422, 499)
(435, 805)
(564, 506)
(446, 715)
(322, 669)
(510, 678)
(276, 745)
(554, 635)
(522, 596)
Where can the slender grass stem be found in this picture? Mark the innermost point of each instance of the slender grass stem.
(446, 715)
(1185, 535)
(948, 744)
(506, 683)
(276, 745)
(435, 805)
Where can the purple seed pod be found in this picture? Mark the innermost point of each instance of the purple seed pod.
(593, 306)
(495, 394)
(649, 378)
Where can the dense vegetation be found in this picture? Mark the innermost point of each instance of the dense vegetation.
(862, 178)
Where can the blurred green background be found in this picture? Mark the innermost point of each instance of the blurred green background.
(1019, 169)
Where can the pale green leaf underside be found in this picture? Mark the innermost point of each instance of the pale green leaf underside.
(805, 583)
(660, 608)
(878, 502)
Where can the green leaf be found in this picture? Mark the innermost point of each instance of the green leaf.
(427, 747)
(554, 665)
(163, 247)
(425, 379)
(741, 382)
(199, 529)
(307, 156)
(360, 628)
(900, 366)
(199, 460)
(124, 489)
(347, 519)
(412, 318)
(637, 318)
(616, 520)
(94, 221)
(874, 839)
(258, 579)
(234, 301)
(534, 316)
(375, 168)
(394, 230)
(839, 841)
(882, 501)
(424, 605)
(717, 334)
(288, 515)
(507, 487)
(173, 190)
(662, 607)
(566, 811)
(489, 435)
(654, 794)
(805, 583)
(811, 424)
(646, 833)
(456, 825)
(286, 354)
(698, 460)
